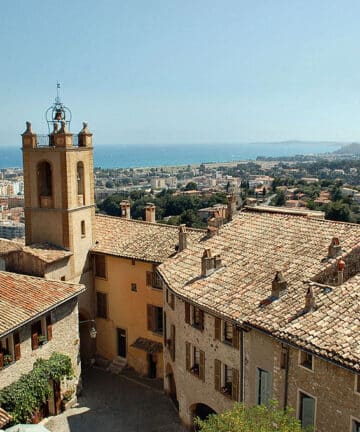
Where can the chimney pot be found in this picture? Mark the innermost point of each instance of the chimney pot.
(334, 248)
(278, 285)
(182, 237)
(150, 212)
(310, 300)
(125, 209)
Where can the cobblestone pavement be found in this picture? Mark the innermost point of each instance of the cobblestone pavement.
(117, 403)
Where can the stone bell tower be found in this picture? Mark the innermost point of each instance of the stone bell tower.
(59, 187)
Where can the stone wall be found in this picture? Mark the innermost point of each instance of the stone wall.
(65, 339)
(190, 389)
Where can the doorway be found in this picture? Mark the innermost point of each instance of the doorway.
(151, 365)
(121, 342)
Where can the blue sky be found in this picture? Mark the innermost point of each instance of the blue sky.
(184, 71)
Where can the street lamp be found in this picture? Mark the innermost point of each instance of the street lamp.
(92, 330)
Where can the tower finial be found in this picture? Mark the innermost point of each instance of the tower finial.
(57, 100)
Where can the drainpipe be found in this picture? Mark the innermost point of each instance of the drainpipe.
(286, 379)
(242, 366)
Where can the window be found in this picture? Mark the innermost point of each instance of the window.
(306, 410)
(41, 332)
(155, 319)
(306, 360)
(228, 332)
(153, 279)
(226, 380)
(44, 183)
(263, 386)
(283, 358)
(9, 350)
(133, 261)
(83, 229)
(101, 305)
(195, 361)
(170, 299)
(197, 316)
(133, 287)
(357, 383)
(100, 266)
(80, 183)
(355, 426)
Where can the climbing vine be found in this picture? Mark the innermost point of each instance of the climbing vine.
(22, 398)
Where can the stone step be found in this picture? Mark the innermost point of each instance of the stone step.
(117, 365)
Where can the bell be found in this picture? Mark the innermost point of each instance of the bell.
(58, 115)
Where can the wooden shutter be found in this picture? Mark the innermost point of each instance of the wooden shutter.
(188, 354)
(149, 278)
(172, 301)
(34, 340)
(164, 329)
(172, 352)
(217, 328)
(49, 327)
(235, 385)
(150, 317)
(17, 349)
(202, 366)
(1, 360)
(217, 374)
(201, 320)
(235, 337)
(187, 313)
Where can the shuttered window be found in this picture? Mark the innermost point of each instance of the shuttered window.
(217, 374)
(202, 366)
(217, 328)
(17, 348)
(235, 337)
(187, 356)
(228, 332)
(263, 386)
(155, 319)
(187, 313)
(149, 278)
(235, 385)
(100, 266)
(49, 327)
(101, 305)
(198, 318)
(172, 350)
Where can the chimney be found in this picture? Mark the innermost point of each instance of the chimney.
(150, 212)
(278, 286)
(309, 300)
(182, 237)
(334, 248)
(231, 206)
(340, 265)
(212, 231)
(206, 263)
(125, 209)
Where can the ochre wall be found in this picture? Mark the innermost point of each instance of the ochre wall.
(127, 310)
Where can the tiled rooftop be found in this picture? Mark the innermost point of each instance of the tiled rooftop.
(252, 248)
(25, 297)
(137, 239)
(7, 246)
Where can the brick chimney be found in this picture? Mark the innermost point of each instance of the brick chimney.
(209, 263)
(125, 209)
(231, 206)
(150, 212)
(182, 237)
(279, 285)
(309, 300)
(334, 248)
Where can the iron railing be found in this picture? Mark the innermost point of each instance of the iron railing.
(43, 140)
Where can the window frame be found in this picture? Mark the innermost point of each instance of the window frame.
(154, 316)
(98, 276)
(103, 295)
(45, 322)
(357, 384)
(353, 420)
(226, 326)
(303, 355)
(298, 405)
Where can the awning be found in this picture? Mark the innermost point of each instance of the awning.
(148, 345)
(5, 417)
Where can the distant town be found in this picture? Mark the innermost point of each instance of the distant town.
(327, 184)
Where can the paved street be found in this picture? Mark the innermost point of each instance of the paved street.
(117, 403)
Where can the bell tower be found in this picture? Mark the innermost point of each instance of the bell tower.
(59, 186)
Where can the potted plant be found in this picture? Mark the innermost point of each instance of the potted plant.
(42, 339)
(8, 359)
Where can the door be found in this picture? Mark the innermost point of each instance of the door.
(307, 410)
(152, 365)
(121, 342)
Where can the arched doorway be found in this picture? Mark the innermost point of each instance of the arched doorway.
(202, 411)
(171, 385)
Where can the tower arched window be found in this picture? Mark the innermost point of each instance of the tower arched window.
(44, 182)
(80, 183)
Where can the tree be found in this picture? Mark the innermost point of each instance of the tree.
(262, 418)
(190, 186)
(338, 211)
(279, 199)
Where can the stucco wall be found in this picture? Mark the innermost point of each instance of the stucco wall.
(127, 310)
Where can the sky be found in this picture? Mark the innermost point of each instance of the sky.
(183, 71)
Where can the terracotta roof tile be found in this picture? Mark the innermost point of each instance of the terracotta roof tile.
(252, 248)
(25, 297)
(137, 239)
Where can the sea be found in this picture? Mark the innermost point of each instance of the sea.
(131, 156)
